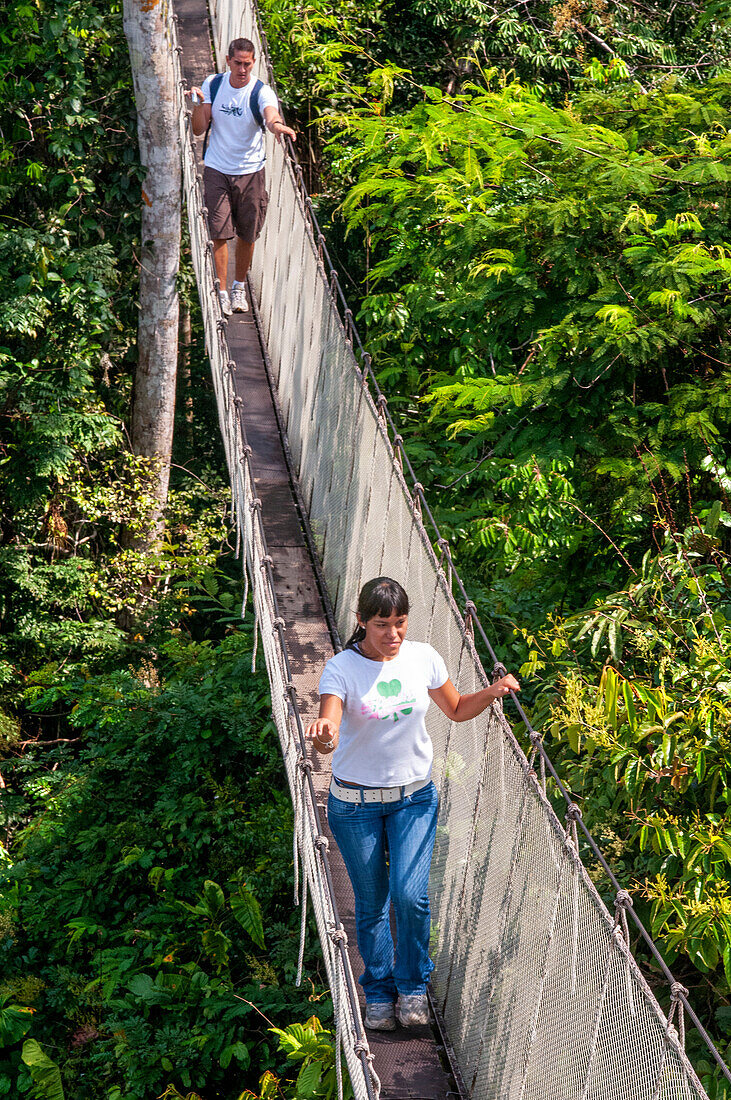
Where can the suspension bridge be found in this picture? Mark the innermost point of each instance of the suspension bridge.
(535, 993)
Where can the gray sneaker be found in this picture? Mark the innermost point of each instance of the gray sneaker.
(380, 1016)
(225, 303)
(413, 1010)
(239, 303)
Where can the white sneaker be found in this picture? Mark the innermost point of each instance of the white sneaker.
(380, 1016)
(238, 298)
(413, 1010)
(225, 303)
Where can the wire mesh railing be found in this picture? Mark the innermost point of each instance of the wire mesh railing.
(310, 843)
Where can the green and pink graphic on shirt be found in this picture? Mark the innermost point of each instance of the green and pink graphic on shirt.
(386, 702)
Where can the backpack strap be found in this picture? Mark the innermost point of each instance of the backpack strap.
(254, 104)
(215, 86)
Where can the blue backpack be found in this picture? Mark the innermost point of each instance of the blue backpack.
(253, 104)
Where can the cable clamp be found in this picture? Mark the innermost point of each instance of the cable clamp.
(677, 991)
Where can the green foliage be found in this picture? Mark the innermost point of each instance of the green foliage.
(648, 752)
(138, 893)
(311, 1047)
(551, 287)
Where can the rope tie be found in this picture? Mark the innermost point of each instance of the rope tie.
(238, 401)
(470, 611)
(266, 558)
(278, 623)
(221, 324)
(247, 454)
(303, 930)
(623, 900)
(322, 843)
(305, 766)
(573, 812)
(498, 669)
(254, 504)
(677, 992)
(535, 740)
(418, 488)
(256, 637)
(338, 935)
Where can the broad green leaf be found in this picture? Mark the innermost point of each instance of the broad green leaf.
(216, 945)
(15, 1021)
(247, 911)
(45, 1073)
(213, 897)
(308, 1079)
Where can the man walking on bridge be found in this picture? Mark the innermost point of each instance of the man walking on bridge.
(234, 109)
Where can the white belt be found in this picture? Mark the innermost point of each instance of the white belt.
(365, 795)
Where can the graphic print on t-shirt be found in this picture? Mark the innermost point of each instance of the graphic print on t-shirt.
(379, 705)
(232, 109)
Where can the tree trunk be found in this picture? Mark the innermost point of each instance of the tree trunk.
(145, 26)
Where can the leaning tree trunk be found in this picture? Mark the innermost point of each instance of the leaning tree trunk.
(145, 25)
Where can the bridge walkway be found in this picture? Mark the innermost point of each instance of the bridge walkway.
(410, 1064)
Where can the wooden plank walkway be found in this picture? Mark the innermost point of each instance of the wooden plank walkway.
(408, 1062)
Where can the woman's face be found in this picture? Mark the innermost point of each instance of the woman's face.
(383, 635)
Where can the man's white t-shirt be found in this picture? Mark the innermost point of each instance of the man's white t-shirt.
(236, 143)
(383, 737)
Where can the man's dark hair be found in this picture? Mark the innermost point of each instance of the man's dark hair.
(243, 45)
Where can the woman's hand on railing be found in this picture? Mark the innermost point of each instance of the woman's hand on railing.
(324, 734)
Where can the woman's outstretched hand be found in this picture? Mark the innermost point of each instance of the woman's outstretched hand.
(504, 686)
(324, 734)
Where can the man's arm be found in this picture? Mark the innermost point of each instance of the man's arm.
(275, 124)
(201, 112)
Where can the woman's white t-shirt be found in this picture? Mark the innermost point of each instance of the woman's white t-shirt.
(383, 737)
(236, 143)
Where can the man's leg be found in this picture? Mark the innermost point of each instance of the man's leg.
(244, 254)
(220, 258)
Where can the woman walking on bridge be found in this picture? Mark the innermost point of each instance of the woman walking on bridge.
(382, 806)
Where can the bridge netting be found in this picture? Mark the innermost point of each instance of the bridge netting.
(534, 976)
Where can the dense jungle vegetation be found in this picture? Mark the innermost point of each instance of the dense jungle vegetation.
(529, 204)
(148, 941)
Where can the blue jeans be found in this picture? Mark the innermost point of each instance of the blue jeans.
(387, 850)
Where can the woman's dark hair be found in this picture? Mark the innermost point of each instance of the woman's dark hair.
(381, 596)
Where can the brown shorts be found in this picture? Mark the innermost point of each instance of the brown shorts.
(237, 205)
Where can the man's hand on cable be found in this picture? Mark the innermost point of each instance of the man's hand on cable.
(276, 125)
(324, 734)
